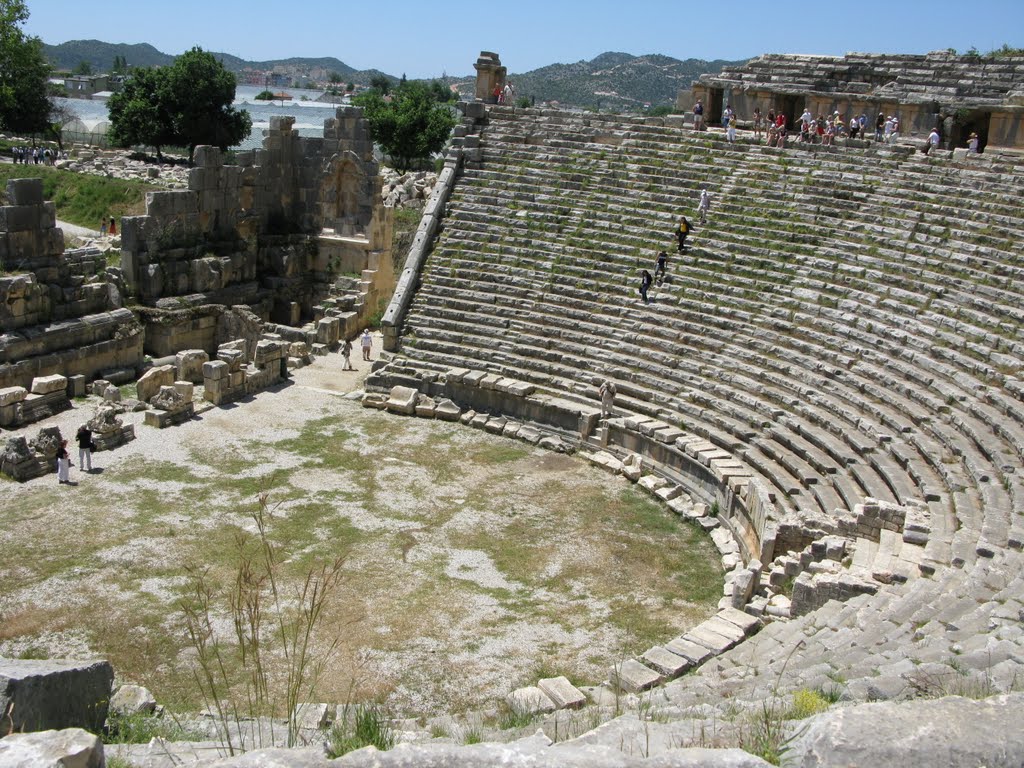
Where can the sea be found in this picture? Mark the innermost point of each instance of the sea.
(309, 114)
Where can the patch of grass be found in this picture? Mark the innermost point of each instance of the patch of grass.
(82, 198)
(361, 726)
(472, 735)
(141, 728)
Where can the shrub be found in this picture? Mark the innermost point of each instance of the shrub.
(359, 727)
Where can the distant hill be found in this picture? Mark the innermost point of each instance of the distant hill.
(101, 56)
(612, 80)
(615, 80)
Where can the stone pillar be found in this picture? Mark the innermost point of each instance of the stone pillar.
(489, 75)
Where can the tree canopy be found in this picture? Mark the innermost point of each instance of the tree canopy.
(410, 124)
(185, 104)
(25, 103)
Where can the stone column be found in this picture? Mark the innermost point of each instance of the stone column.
(489, 75)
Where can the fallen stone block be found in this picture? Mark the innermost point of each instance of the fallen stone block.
(131, 700)
(446, 410)
(67, 748)
(563, 693)
(693, 652)
(402, 400)
(530, 701)
(55, 694)
(12, 395)
(151, 381)
(634, 677)
(45, 385)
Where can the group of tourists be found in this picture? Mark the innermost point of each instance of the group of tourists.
(506, 95)
(108, 226)
(36, 155)
(822, 129)
(681, 232)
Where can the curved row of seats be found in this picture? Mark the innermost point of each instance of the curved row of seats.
(847, 323)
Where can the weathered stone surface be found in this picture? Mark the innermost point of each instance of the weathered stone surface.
(530, 700)
(132, 700)
(314, 716)
(67, 748)
(12, 395)
(632, 676)
(151, 381)
(44, 385)
(55, 694)
(190, 365)
(402, 400)
(274, 758)
(932, 734)
(446, 410)
(562, 692)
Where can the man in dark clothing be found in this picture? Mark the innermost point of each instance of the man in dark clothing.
(84, 439)
(681, 232)
(662, 263)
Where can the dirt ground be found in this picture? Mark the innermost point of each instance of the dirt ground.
(473, 563)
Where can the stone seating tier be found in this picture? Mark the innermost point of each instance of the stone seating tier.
(514, 239)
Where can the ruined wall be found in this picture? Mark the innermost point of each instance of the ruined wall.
(58, 312)
(272, 232)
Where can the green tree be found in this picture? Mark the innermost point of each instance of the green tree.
(441, 92)
(25, 103)
(83, 68)
(198, 93)
(185, 104)
(137, 114)
(120, 66)
(411, 125)
(381, 84)
(334, 78)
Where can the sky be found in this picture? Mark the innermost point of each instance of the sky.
(423, 39)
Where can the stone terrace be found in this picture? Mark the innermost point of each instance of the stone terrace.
(847, 326)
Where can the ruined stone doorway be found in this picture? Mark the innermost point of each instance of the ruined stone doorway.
(713, 112)
(975, 121)
(787, 105)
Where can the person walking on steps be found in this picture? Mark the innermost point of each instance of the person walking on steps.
(662, 263)
(346, 354)
(85, 448)
(703, 206)
(681, 232)
(366, 342)
(645, 285)
(607, 393)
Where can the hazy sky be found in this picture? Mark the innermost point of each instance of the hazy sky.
(425, 39)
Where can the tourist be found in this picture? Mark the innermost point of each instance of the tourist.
(645, 284)
(773, 133)
(704, 205)
(887, 129)
(659, 271)
(103, 227)
(113, 227)
(854, 127)
(727, 115)
(63, 463)
(367, 343)
(497, 93)
(771, 118)
(346, 354)
(698, 115)
(508, 93)
(782, 135)
(932, 142)
(758, 124)
(819, 129)
(879, 126)
(863, 122)
(681, 232)
(85, 448)
(607, 393)
(827, 136)
(972, 143)
(894, 135)
(730, 127)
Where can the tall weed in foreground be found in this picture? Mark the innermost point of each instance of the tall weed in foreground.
(358, 727)
(272, 664)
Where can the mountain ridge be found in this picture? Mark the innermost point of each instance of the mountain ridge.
(611, 80)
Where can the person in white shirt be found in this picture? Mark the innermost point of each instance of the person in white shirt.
(933, 141)
(972, 143)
